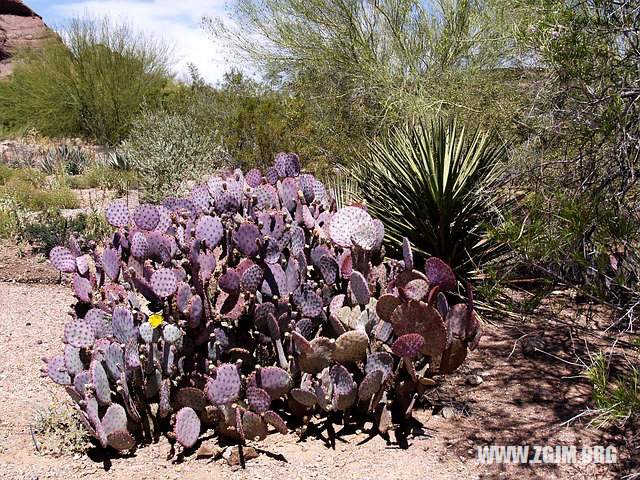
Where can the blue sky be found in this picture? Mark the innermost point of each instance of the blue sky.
(177, 21)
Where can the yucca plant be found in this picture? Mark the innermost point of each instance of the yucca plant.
(438, 186)
(342, 188)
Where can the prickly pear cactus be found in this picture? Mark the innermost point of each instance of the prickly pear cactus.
(252, 296)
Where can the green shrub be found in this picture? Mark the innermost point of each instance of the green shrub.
(23, 193)
(60, 429)
(581, 240)
(48, 228)
(92, 83)
(9, 226)
(167, 150)
(437, 186)
(616, 394)
(28, 175)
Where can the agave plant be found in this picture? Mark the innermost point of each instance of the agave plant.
(64, 158)
(438, 186)
(120, 159)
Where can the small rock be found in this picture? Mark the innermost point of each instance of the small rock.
(474, 380)
(532, 346)
(485, 374)
(232, 454)
(209, 450)
(541, 395)
(39, 342)
(448, 413)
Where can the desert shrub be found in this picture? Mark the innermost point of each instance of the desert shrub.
(34, 199)
(92, 178)
(8, 224)
(438, 186)
(253, 120)
(92, 83)
(241, 301)
(168, 150)
(102, 176)
(583, 241)
(49, 227)
(616, 391)
(60, 430)
(580, 223)
(361, 68)
(31, 176)
(6, 173)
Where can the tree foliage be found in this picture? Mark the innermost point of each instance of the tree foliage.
(367, 65)
(92, 81)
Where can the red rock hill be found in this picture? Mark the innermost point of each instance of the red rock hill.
(19, 27)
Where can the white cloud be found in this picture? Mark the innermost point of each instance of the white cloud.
(177, 22)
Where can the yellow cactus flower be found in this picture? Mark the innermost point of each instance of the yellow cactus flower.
(155, 320)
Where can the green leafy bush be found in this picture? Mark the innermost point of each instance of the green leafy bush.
(28, 175)
(581, 240)
(437, 186)
(168, 150)
(91, 83)
(48, 228)
(101, 176)
(254, 120)
(60, 430)
(24, 194)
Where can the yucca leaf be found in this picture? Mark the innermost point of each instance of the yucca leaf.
(437, 186)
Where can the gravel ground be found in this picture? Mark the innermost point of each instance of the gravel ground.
(506, 408)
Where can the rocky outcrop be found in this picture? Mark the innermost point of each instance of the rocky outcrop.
(20, 27)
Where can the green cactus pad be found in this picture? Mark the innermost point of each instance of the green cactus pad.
(320, 357)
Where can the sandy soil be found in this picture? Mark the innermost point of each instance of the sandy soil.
(504, 410)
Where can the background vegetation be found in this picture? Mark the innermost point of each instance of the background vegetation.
(91, 81)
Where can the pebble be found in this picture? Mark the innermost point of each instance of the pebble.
(542, 395)
(448, 413)
(474, 380)
(209, 450)
(232, 454)
(532, 345)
